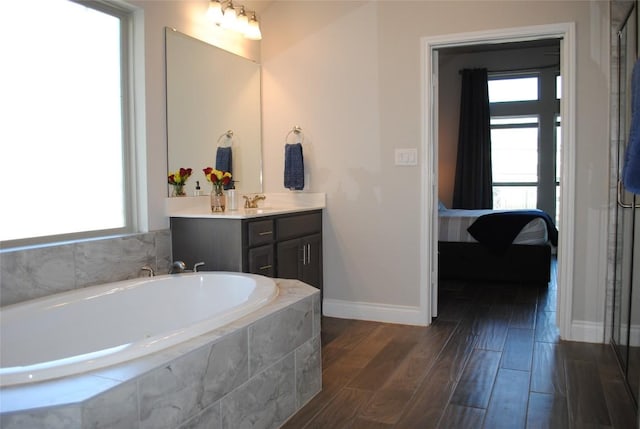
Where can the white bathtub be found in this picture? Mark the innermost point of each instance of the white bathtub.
(99, 326)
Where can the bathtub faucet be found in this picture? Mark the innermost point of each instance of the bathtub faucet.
(178, 267)
(149, 269)
(196, 265)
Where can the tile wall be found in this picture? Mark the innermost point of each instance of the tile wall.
(45, 270)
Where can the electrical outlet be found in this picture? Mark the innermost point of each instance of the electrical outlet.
(406, 157)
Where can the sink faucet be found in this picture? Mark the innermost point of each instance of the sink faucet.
(252, 202)
(148, 269)
(177, 267)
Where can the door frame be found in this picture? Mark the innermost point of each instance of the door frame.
(429, 153)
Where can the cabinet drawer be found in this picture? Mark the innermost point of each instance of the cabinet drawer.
(260, 232)
(298, 225)
(261, 260)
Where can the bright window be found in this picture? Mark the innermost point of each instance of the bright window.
(63, 145)
(514, 160)
(513, 89)
(514, 154)
(525, 139)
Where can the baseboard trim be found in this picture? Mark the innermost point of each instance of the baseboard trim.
(585, 331)
(401, 314)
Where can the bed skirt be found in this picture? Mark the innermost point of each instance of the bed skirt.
(473, 261)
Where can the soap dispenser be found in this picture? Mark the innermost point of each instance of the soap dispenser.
(232, 198)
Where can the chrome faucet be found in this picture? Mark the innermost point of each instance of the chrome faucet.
(196, 265)
(252, 202)
(177, 267)
(149, 269)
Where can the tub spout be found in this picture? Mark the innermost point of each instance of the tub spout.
(196, 265)
(177, 267)
(149, 269)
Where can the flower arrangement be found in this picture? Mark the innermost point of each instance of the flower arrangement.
(178, 179)
(217, 178)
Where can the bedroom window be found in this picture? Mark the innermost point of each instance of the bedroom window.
(65, 142)
(525, 139)
(513, 89)
(514, 158)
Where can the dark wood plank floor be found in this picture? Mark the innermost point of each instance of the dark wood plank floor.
(492, 359)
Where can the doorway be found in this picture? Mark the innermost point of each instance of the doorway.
(432, 47)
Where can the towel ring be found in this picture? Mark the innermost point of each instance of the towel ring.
(297, 131)
(229, 136)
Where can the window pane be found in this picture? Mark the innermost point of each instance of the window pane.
(62, 135)
(514, 153)
(514, 120)
(514, 197)
(517, 89)
(557, 205)
(558, 151)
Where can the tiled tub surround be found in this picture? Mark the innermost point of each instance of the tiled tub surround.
(255, 372)
(105, 325)
(33, 272)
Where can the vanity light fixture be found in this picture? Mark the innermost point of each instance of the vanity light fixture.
(243, 21)
(253, 30)
(230, 17)
(226, 15)
(214, 13)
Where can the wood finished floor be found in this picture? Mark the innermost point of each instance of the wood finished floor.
(492, 359)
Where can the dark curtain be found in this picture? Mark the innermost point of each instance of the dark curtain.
(472, 188)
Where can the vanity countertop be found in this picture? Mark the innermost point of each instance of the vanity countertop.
(274, 204)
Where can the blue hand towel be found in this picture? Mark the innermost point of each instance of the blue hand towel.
(293, 167)
(224, 161)
(631, 169)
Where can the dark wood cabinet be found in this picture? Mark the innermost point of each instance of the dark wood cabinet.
(301, 258)
(287, 246)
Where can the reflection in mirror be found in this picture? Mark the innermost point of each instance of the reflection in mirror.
(209, 92)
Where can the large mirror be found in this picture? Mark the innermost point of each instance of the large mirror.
(209, 92)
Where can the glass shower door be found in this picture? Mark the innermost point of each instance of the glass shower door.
(626, 297)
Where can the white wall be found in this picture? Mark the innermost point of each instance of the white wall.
(349, 73)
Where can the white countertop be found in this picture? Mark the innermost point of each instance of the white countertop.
(274, 204)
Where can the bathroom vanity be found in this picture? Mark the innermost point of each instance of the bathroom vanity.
(282, 239)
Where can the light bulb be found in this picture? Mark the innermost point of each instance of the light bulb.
(230, 17)
(242, 24)
(214, 13)
(253, 31)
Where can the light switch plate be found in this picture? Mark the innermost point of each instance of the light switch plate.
(406, 157)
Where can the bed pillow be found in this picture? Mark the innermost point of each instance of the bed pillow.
(441, 206)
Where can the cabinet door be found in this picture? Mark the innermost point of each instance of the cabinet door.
(301, 259)
(312, 260)
(289, 257)
(261, 261)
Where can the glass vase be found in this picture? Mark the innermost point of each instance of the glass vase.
(218, 201)
(178, 191)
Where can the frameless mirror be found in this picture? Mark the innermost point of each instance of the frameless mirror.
(211, 91)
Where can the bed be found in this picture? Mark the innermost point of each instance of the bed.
(495, 245)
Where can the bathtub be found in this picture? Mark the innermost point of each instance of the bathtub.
(100, 326)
